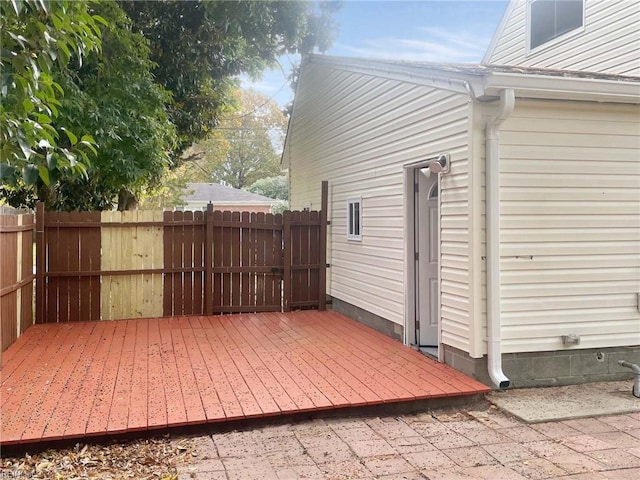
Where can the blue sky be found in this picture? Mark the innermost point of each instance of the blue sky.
(422, 30)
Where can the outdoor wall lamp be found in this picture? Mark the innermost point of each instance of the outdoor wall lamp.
(439, 164)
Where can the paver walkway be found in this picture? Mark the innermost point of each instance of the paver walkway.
(444, 445)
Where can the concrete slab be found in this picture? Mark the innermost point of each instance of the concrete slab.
(535, 405)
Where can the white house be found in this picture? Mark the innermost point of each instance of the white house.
(538, 281)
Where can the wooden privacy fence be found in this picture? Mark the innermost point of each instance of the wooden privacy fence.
(116, 265)
(16, 275)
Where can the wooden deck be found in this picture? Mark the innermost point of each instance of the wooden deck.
(74, 380)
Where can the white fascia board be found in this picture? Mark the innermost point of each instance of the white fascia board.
(563, 88)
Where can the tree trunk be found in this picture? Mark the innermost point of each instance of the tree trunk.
(127, 200)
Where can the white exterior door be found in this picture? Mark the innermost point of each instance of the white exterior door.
(426, 241)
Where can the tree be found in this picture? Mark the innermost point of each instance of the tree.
(255, 135)
(112, 97)
(115, 97)
(37, 37)
(241, 150)
(272, 187)
(199, 47)
(156, 83)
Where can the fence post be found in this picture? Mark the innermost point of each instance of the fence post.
(40, 264)
(322, 282)
(286, 277)
(208, 260)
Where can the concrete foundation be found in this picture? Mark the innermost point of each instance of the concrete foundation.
(372, 320)
(529, 369)
(546, 369)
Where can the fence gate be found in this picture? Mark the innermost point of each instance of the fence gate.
(108, 265)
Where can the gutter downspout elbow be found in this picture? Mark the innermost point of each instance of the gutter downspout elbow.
(636, 371)
(492, 228)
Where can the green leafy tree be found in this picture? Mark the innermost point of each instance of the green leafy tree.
(244, 148)
(160, 79)
(255, 135)
(37, 37)
(272, 187)
(199, 47)
(113, 97)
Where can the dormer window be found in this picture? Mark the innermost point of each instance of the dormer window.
(550, 19)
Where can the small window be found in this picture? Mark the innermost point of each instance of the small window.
(550, 19)
(354, 219)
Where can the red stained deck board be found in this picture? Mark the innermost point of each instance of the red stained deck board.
(369, 373)
(156, 401)
(350, 387)
(63, 381)
(21, 350)
(82, 406)
(188, 385)
(258, 357)
(176, 413)
(225, 351)
(194, 338)
(99, 420)
(49, 397)
(281, 367)
(121, 400)
(413, 364)
(343, 353)
(309, 397)
(247, 364)
(60, 417)
(27, 390)
(403, 372)
(24, 366)
(138, 407)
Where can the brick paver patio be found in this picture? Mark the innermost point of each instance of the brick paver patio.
(475, 444)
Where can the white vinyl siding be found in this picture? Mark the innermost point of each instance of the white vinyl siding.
(570, 225)
(358, 131)
(609, 42)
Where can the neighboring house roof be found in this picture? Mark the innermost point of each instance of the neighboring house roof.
(221, 195)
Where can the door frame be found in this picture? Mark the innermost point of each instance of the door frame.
(410, 170)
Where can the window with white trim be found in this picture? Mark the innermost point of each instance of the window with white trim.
(550, 19)
(354, 219)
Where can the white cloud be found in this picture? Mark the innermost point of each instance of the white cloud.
(438, 45)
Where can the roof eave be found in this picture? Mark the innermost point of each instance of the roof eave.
(458, 82)
(562, 88)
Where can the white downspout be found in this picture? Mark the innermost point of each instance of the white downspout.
(492, 228)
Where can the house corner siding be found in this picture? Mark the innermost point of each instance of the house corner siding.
(570, 225)
(359, 131)
(608, 43)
